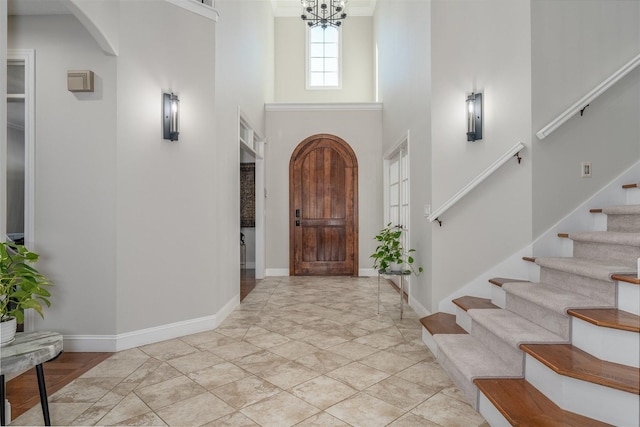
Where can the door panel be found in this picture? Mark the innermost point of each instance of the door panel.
(323, 208)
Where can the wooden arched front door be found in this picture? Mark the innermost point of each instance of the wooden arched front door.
(323, 208)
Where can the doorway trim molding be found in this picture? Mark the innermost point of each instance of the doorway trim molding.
(27, 57)
(256, 148)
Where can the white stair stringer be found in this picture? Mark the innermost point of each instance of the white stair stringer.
(612, 345)
(592, 400)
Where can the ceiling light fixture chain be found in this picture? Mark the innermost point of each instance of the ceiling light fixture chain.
(323, 13)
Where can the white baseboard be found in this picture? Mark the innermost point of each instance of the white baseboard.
(277, 272)
(367, 272)
(127, 340)
(417, 307)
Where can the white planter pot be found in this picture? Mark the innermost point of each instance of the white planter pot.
(7, 331)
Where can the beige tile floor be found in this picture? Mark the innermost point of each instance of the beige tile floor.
(299, 351)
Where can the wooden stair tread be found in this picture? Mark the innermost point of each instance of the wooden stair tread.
(570, 361)
(608, 318)
(442, 323)
(595, 210)
(499, 281)
(630, 186)
(529, 258)
(626, 278)
(563, 235)
(469, 302)
(524, 405)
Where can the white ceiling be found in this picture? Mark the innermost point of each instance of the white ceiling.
(280, 7)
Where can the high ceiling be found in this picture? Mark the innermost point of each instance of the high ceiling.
(280, 7)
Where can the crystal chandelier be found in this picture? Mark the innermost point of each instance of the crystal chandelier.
(323, 13)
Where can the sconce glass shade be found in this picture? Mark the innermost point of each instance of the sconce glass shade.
(474, 117)
(170, 110)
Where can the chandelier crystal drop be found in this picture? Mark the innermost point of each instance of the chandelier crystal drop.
(323, 13)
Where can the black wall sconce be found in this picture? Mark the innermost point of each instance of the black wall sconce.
(474, 117)
(170, 110)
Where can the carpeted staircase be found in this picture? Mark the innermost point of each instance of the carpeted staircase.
(563, 351)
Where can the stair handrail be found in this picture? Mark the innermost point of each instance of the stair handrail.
(512, 152)
(583, 102)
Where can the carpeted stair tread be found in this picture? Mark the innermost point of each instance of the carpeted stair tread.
(524, 405)
(469, 302)
(570, 361)
(622, 210)
(499, 281)
(513, 329)
(552, 297)
(473, 359)
(442, 323)
(608, 318)
(608, 237)
(584, 267)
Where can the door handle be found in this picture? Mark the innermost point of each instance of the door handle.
(297, 223)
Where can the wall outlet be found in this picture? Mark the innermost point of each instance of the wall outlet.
(585, 171)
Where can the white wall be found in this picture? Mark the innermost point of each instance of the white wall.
(244, 78)
(167, 255)
(75, 174)
(357, 67)
(403, 40)
(479, 46)
(575, 46)
(286, 128)
(3, 112)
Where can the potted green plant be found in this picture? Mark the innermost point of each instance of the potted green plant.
(390, 254)
(21, 287)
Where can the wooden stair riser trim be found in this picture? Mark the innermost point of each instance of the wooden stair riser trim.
(499, 281)
(521, 404)
(611, 345)
(569, 361)
(614, 406)
(468, 303)
(626, 278)
(608, 318)
(628, 186)
(441, 323)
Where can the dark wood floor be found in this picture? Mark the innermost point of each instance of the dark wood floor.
(22, 391)
(247, 282)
